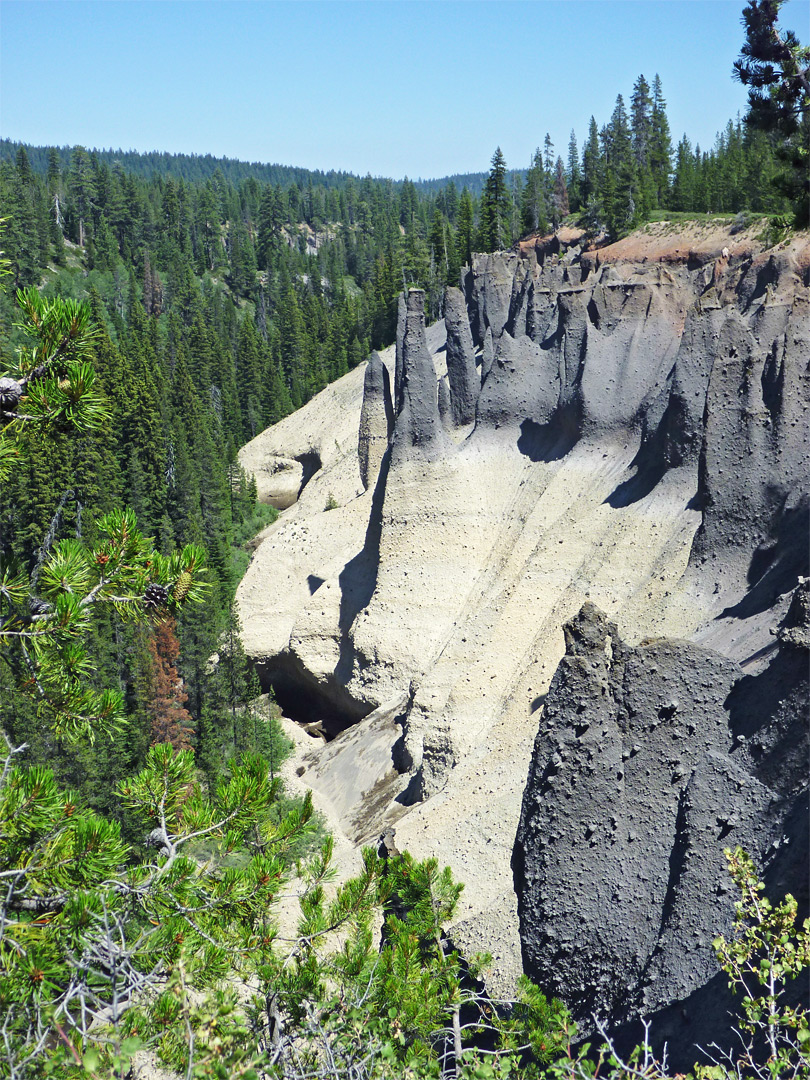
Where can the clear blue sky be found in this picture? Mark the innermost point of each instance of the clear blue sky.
(393, 88)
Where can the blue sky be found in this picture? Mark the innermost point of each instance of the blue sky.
(392, 88)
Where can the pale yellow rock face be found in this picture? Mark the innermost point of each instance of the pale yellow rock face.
(482, 557)
(306, 540)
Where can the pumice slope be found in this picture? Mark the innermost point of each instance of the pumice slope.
(592, 438)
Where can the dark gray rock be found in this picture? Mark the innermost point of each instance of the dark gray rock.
(795, 630)
(542, 313)
(418, 430)
(444, 402)
(631, 342)
(523, 384)
(706, 365)
(487, 354)
(754, 473)
(493, 277)
(461, 370)
(10, 394)
(376, 419)
(402, 314)
(649, 761)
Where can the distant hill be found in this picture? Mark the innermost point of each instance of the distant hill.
(190, 167)
(200, 167)
(473, 182)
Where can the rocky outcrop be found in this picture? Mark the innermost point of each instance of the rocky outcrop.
(418, 431)
(640, 443)
(650, 760)
(376, 419)
(402, 316)
(462, 373)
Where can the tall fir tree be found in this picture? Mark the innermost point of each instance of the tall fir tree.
(660, 148)
(574, 174)
(495, 207)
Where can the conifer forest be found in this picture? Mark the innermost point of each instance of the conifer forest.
(159, 311)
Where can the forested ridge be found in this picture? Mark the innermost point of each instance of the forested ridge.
(222, 296)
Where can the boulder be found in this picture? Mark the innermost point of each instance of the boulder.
(642, 773)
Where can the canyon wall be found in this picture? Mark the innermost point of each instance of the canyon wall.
(597, 466)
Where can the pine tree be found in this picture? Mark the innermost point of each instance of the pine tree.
(249, 370)
(683, 184)
(642, 137)
(533, 207)
(438, 248)
(559, 200)
(19, 227)
(170, 720)
(574, 175)
(641, 104)
(82, 188)
(464, 228)
(660, 149)
(56, 198)
(592, 165)
(234, 685)
(776, 68)
(495, 206)
(620, 190)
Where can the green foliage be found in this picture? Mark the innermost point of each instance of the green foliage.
(766, 952)
(776, 69)
(49, 627)
(51, 383)
(494, 229)
(72, 904)
(47, 616)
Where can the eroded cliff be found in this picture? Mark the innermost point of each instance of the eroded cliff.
(625, 430)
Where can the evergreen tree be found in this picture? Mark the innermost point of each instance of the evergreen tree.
(574, 176)
(620, 189)
(683, 184)
(776, 69)
(495, 207)
(464, 229)
(170, 720)
(533, 208)
(82, 185)
(548, 156)
(660, 149)
(55, 198)
(642, 137)
(592, 165)
(249, 374)
(641, 105)
(19, 227)
(559, 199)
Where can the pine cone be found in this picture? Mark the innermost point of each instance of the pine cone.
(181, 587)
(10, 394)
(155, 596)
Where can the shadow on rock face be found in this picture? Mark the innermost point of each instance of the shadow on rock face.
(311, 464)
(546, 442)
(666, 446)
(314, 583)
(358, 578)
(777, 564)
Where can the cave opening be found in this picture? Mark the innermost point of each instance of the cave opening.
(321, 713)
